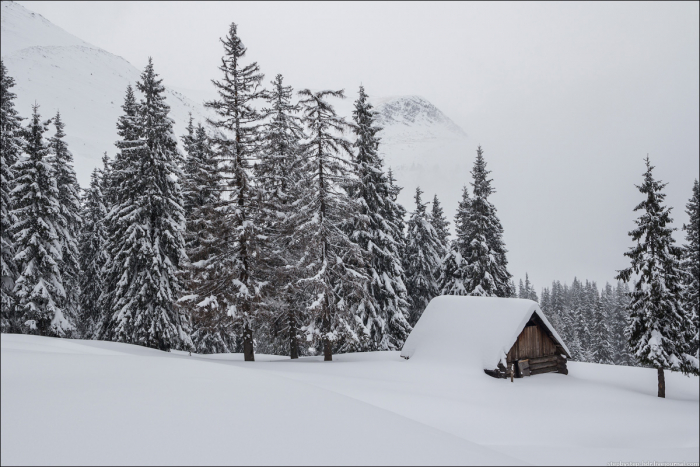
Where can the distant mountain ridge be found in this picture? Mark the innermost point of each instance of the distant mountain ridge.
(60, 71)
(414, 116)
(87, 84)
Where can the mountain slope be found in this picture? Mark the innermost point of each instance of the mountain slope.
(424, 148)
(61, 72)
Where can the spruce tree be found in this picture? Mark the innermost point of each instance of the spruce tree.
(454, 273)
(441, 226)
(145, 226)
(422, 259)
(11, 143)
(691, 266)
(486, 256)
(620, 323)
(278, 176)
(71, 220)
(242, 281)
(39, 286)
(93, 256)
(331, 267)
(384, 310)
(657, 330)
(603, 348)
(213, 329)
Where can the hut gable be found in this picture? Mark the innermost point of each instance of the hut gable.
(480, 333)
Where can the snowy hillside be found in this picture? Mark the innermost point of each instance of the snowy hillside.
(91, 402)
(87, 84)
(424, 148)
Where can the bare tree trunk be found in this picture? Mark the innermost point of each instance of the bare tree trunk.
(248, 354)
(327, 349)
(293, 343)
(662, 383)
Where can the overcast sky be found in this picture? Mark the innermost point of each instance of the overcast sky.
(565, 98)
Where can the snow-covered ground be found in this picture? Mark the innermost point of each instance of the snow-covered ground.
(89, 402)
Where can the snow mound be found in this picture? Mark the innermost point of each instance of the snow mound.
(476, 332)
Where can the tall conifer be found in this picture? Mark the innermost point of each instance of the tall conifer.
(422, 259)
(658, 322)
(145, 226)
(39, 287)
(384, 310)
(236, 142)
(11, 143)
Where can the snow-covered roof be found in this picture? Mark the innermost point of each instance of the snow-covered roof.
(476, 331)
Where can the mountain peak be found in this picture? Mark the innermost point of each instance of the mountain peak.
(414, 118)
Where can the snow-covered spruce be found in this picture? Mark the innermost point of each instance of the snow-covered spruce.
(454, 273)
(691, 266)
(486, 254)
(383, 310)
(145, 225)
(71, 219)
(421, 260)
(212, 327)
(527, 290)
(657, 332)
(39, 286)
(11, 143)
(442, 229)
(235, 144)
(278, 177)
(93, 257)
(331, 267)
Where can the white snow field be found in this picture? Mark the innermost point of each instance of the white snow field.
(91, 402)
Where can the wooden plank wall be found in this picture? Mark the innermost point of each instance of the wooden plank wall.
(532, 343)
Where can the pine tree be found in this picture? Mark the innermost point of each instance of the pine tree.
(691, 266)
(93, 256)
(656, 333)
(278, 175)
(454, 274)
(441, 226)
(71, 220)
(603, 349)
(11, 143)
(422, 259)
(384, 311)
(486, 259)
(242, 281)
(620, 323)
(331, 267)
(145, 226)
(39, 287)
(213, 329)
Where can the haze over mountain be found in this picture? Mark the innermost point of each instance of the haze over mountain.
(566, 99)
(62, 72)
(85, 83)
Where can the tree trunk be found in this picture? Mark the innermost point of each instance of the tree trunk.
(662, 383)
(248, 353)
(327, 349)
(293, 343)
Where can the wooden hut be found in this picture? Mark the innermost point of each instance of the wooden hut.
(536, 351)
(497, 336)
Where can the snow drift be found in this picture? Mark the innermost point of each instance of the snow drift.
(476, 332)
